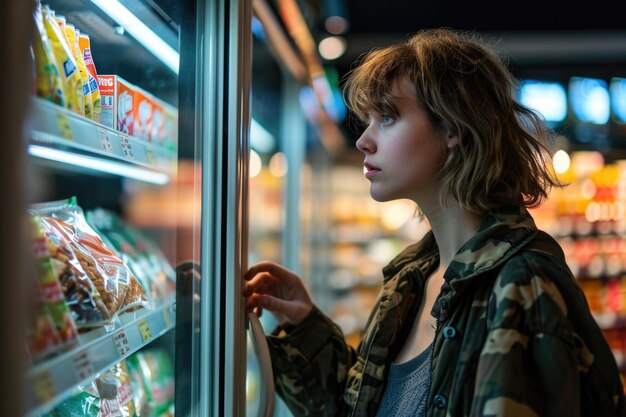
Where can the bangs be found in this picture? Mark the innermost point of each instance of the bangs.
(368, 87)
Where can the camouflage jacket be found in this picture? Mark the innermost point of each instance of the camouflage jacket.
(514, 337)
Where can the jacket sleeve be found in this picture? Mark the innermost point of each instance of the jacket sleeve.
(310, 362)
(535, 362)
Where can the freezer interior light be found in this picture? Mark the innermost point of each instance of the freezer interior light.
(618, 98)
(97, 164)
(142, 33)
(547, 98)
(589, 98)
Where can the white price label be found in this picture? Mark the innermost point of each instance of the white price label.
(105, 140)
(121, 342)
(127, 149)
(83, 365)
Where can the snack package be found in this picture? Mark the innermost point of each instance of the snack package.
(49, 83)
(84, 301)
(43, 340)
(108, 386)
(155, 369)
(82, 403)
(125, 396)
(72, 34)
(117, 97)
(50, 287)
(142, 255)
(84, 43)
(117, 287)
(70, 74)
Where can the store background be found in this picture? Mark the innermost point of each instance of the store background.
(309, 206)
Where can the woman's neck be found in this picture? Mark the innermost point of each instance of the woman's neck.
(452, 227)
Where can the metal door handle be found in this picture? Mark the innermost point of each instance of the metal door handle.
(259, 343)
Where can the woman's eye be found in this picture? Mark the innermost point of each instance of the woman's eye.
(387, 120)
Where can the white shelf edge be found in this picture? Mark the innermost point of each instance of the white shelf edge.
(50, 382)
(58, 128)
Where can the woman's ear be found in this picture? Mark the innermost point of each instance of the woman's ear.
(453, 140)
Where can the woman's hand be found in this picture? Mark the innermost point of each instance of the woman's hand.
(274, 288)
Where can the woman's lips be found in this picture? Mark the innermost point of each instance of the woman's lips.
(370, 171)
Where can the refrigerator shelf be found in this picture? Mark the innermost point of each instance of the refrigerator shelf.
(50, 382)
(58, 129)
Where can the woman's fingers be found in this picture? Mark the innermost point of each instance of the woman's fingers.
(262, 282)
(277, 271)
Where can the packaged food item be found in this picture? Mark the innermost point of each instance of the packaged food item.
(86, 305)
(144, 107)
(155, 368)
(50, 287)
(48, 81)
(142, 255)
(140, 400)
(117, 97)
(82, 403)
(43, 340)
(170, 130)
(124, 389)
(107, 385)
(70, 74)
(84, 44)
(71, 34)
(117, 287)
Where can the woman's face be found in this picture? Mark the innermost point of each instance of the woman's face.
(402, 153)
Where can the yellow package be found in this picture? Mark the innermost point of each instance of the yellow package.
(66, 62)
(84, 44)
(48, 81)
(72, 39)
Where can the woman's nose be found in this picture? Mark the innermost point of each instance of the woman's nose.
(365, 143)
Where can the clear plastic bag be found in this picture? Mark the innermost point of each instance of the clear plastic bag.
(116, 287)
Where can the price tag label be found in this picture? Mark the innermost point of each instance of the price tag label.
(127, 149)
(150, 156)
(83, 366)
(44, 386)
(64, 126)
(167, 316)
(121, 342)
(144, 329)
(105, 140)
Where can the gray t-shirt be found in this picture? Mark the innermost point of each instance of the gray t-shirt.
(408, 383)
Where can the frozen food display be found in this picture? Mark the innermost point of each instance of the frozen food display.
(152, 369)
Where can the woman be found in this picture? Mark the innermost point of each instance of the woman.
(482, 317)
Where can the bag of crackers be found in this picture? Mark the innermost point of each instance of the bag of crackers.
(142, 255)
(88, 268)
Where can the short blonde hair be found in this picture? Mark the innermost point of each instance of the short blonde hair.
(503, 156)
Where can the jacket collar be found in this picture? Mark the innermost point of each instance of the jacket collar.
(500, 235)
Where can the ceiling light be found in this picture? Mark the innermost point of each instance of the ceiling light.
(142, 33)
(332, 47)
